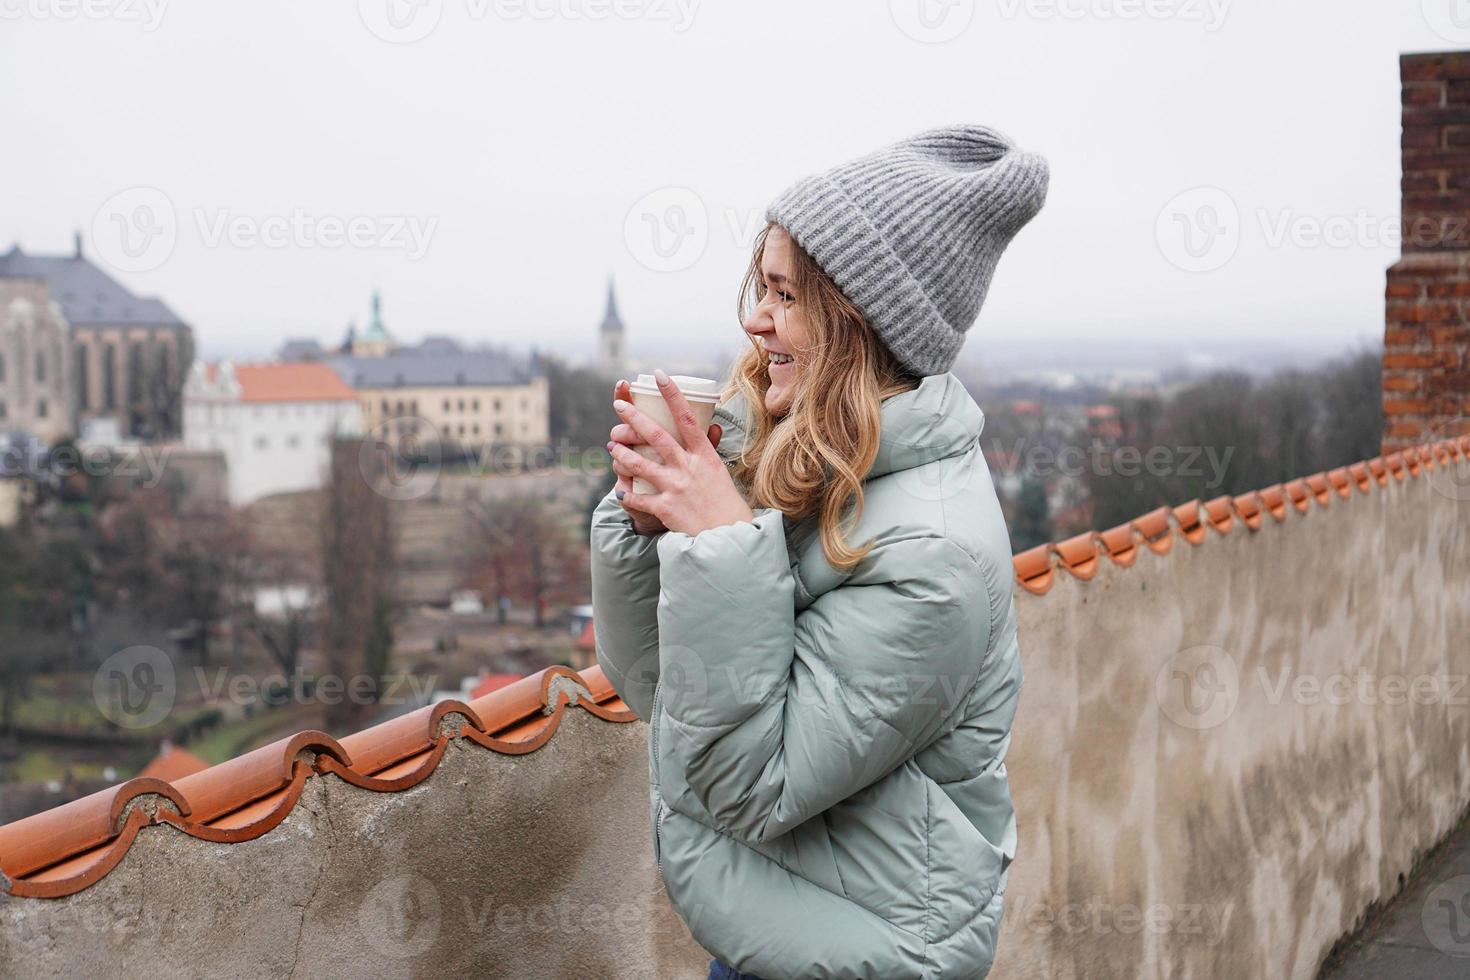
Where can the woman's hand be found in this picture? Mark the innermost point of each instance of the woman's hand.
(624, 434)
(693, 491)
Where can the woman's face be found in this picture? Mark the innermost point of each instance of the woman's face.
(779, 324)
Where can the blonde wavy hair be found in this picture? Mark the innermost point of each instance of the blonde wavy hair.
(813, 459)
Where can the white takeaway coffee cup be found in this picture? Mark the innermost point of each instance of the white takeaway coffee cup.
(701, 393)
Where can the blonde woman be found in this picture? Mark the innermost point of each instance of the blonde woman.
(812, 610)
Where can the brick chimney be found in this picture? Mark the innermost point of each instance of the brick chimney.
(1426, 340)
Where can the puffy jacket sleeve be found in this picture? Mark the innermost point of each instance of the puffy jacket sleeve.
(625, 576)
(777, 716)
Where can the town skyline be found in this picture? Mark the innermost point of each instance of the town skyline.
(486, 221)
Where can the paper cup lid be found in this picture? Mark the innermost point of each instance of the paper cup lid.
(695, 389)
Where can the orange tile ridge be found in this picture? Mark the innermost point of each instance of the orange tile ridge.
(61, 851)
(1190, 521)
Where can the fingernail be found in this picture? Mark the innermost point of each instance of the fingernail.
(660, 377)
(609, 445)
(621, 406)
(620, 494)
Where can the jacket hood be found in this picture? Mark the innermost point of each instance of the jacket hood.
(935, 420)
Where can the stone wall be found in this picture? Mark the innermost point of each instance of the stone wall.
(1224, 755)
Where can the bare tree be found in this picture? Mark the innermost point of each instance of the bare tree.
(529, 551)
(358, 571)
(277, 609)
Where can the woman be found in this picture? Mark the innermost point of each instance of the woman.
(813, 609)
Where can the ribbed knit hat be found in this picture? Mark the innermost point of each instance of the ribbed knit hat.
(911, 234)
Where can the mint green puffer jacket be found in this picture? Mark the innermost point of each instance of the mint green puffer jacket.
(827, 749)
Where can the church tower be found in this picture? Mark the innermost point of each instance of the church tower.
(610, 351)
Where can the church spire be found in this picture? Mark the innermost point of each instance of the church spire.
(611, 322)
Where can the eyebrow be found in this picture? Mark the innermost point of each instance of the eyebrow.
(776, 277)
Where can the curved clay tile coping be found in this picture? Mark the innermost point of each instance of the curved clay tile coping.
(1191, 520)
(66, 849)
(61, 851)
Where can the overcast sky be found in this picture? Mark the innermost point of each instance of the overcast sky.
(492, 173)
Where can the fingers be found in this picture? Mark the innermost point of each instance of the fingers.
(649, 431)
(715, 432)
(626, 462)
(686, 423)
(642, 502)
(625, 433)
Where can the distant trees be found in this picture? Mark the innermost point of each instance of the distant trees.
(579, 404)
(529, 551)
(1230, 434)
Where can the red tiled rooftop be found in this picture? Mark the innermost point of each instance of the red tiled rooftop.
(172, 763)
(493, 682)
(306, 382)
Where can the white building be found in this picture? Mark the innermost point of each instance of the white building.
(274, 423)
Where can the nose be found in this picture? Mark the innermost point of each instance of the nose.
(760, 321)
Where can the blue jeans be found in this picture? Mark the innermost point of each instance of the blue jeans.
(719, 971)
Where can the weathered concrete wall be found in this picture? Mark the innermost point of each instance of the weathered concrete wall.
(495, 866)
(1223, 756)
(1241, 834)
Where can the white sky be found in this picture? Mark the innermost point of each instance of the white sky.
(528, 139)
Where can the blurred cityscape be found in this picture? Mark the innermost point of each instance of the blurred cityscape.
(163, 511)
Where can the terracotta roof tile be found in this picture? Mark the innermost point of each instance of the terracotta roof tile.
(1034, 569)
(1121, 544)
(1248, 506)
(493, 682)
(1299, 494)
(1078, 555)
(64, 850)
(1191, 526)
(1155, 530)
(291, 382)
(172, 763)
(1220, 513)
(1274, 499)
(61, 851)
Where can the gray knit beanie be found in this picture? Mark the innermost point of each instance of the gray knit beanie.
(911, 234)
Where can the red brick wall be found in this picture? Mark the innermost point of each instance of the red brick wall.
(1426, 341)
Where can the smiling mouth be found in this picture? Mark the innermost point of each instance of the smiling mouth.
(773, 358)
